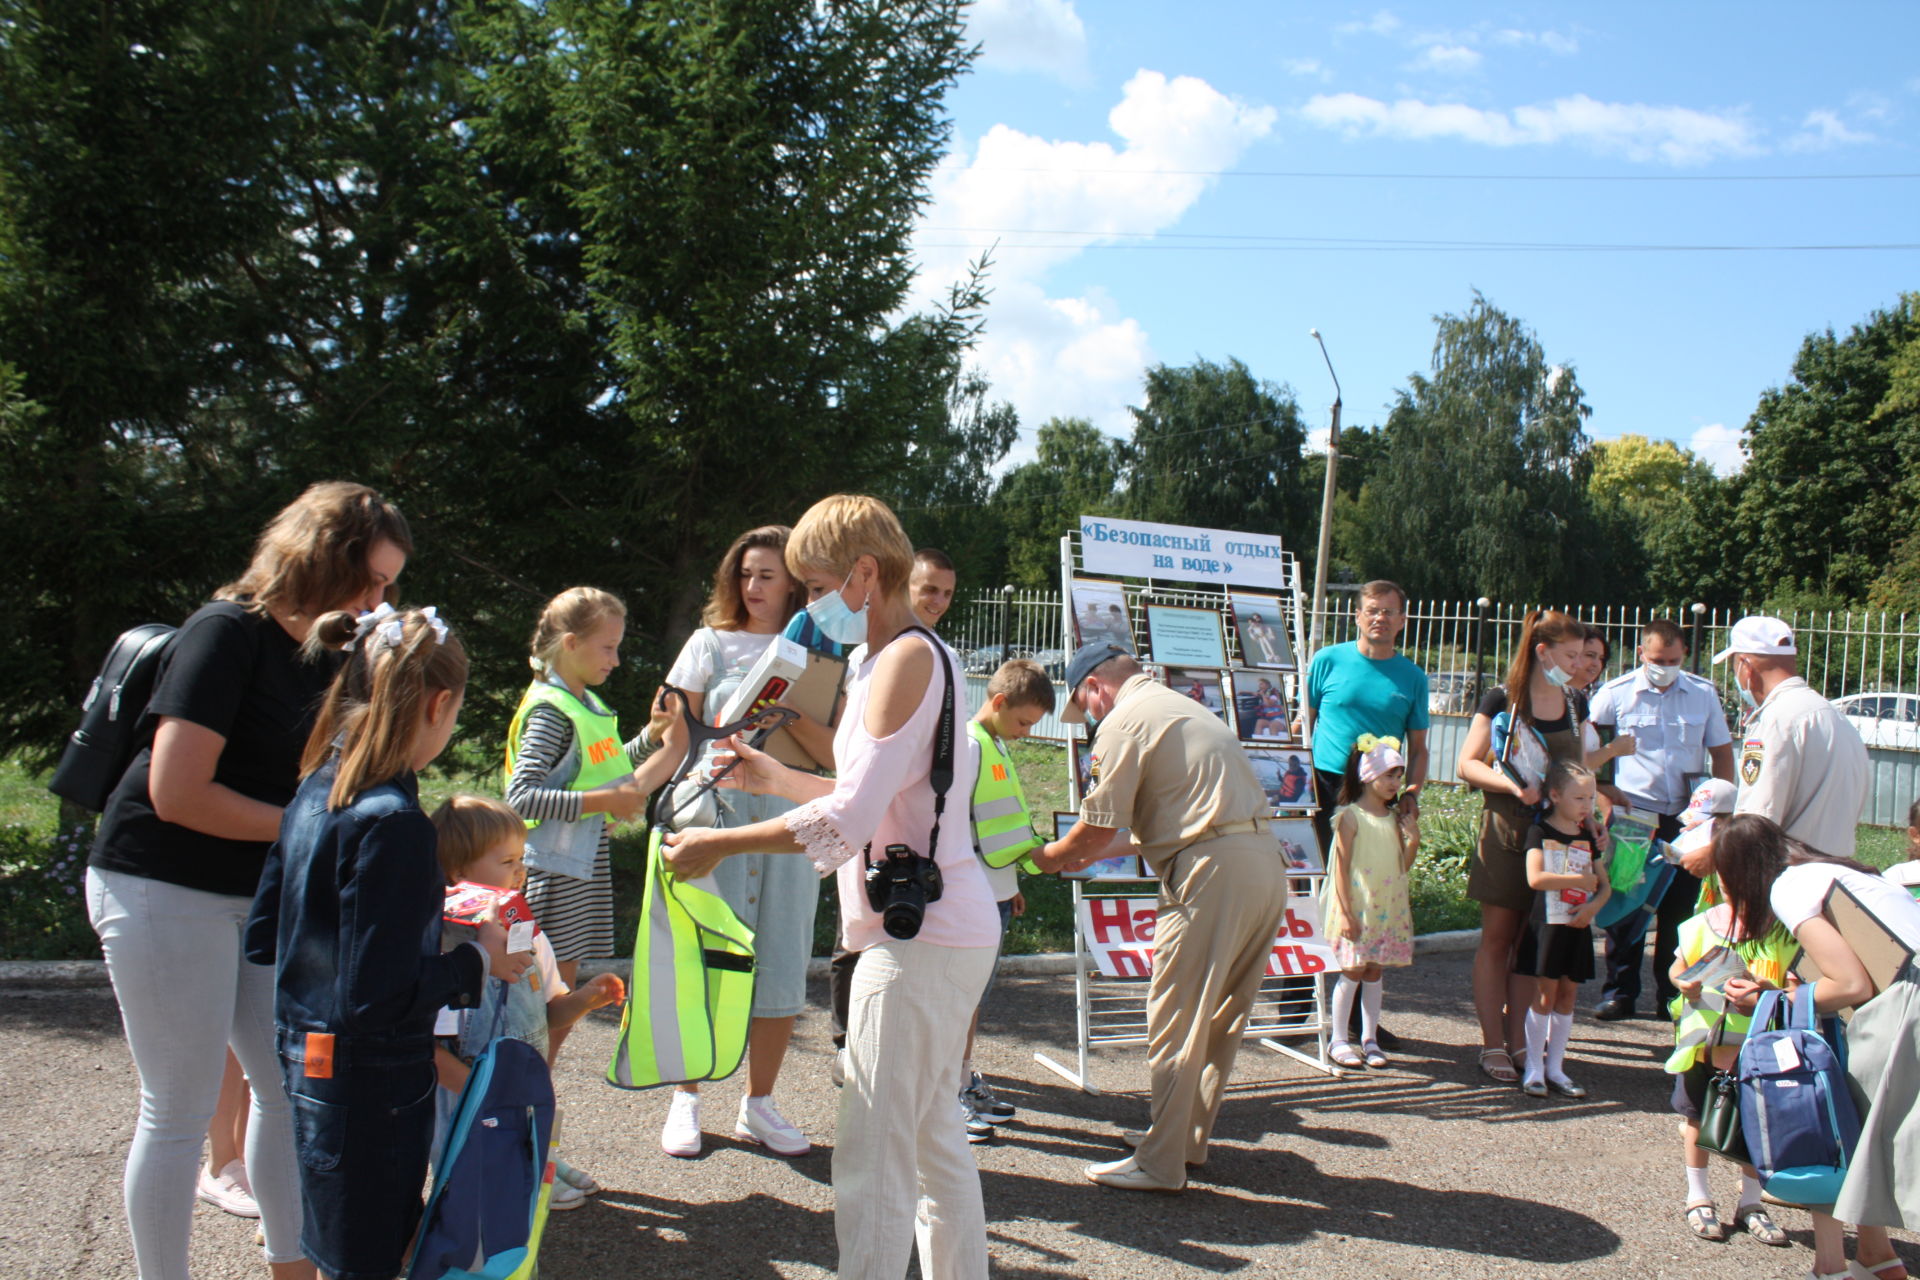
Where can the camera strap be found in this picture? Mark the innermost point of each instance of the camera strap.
(940, 778)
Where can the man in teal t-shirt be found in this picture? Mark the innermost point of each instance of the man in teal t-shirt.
(1366, 686)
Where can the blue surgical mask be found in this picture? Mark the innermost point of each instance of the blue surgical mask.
(1556, 677)
(836, 621)
(1746, 694)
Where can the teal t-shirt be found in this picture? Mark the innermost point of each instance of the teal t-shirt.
(1352, 694)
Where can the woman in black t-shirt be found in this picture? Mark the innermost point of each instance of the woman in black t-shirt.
(1541, 717)
(180, 848)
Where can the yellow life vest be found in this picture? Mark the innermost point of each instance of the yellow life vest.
(1002, 828)
(691, 997)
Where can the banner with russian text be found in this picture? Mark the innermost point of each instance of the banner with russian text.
(1142, 549)
(1119, 934)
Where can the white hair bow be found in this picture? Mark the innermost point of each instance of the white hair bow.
(387, 625)
(367, 621)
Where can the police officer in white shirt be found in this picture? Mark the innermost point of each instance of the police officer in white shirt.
(1801, 763)
(1678, 733)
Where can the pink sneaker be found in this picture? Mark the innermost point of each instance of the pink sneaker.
(228, 1190)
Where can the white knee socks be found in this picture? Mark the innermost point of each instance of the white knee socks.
(1560, 1027)
(1370, 1011)
(1342, 1013)
(1537, 1024)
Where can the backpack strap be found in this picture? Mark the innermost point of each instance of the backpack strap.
(1764, 1013)
(1801, 1014)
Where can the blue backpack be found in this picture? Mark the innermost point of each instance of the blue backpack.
(490, 1191)
(1796, 1109)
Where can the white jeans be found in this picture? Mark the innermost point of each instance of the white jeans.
(901, 1165)
(186, 992)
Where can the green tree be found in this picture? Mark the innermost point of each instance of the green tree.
(1217, 448)
(1075, 471)
(1663, 514)
(1482, 488)
(1834, 462)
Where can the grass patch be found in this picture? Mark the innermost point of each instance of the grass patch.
(43, 913)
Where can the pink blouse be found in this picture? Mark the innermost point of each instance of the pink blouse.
(882, 796)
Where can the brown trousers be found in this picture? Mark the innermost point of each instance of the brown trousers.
(1220, 905)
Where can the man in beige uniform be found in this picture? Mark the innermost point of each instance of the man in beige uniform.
(1168, 770)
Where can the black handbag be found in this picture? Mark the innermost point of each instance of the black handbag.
(1720, 1109)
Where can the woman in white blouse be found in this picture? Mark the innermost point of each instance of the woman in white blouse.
(1769, 877)
(901, 1165)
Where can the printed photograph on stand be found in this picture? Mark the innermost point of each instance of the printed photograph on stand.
(1286, 777)
(1183, 637)
(1100, 614)
(1260, 708)
(1120, 864)
(1260, 623)
(1203, 685)
(1083, 766)
(1299, 843)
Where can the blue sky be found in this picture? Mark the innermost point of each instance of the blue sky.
(1143, 166)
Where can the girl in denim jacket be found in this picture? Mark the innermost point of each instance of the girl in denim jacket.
(349, 914)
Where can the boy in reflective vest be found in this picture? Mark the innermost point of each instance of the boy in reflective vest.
(1018, 696)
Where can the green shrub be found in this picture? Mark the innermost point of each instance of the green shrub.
(43, 908)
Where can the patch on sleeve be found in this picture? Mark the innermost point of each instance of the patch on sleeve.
(1752, 752)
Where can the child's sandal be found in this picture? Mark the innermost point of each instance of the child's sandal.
(1374, 1058)
(1705, 1223)
(1879, 1270)
(1758, 1223)
(1503, 1073)
(1343, 1055)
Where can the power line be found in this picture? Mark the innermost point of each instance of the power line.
(1143, 241)
(1459, 177)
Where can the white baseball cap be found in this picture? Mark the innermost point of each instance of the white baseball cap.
(1758, 634)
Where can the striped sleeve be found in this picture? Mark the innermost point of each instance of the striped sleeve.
(544, 738)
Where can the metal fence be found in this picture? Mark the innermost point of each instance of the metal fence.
(1466, 646)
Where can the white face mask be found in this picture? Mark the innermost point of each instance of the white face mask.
(1556, 677)
(1660, 676)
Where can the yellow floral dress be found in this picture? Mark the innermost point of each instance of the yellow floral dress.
(1377, 890)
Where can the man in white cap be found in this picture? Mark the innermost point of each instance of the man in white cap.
(1800, 763)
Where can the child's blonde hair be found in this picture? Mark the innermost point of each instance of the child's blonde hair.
(1024, 683)
(1561, 773)
(575, 611)
(468, 826)
(837, 531)
(374, 705)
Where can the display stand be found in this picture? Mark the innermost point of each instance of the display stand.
(1111, 1009)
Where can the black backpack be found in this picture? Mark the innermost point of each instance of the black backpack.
(112, 728)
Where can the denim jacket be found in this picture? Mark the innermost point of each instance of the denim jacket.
(349, 912)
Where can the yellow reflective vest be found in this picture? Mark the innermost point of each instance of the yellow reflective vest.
(692, 992)
(1766, 958)
(1002, 828)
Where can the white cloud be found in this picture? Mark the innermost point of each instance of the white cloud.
(1676, 135)
(1046, 36)
(1453, 59)
(1551, 41)
(1719, 446)
(1077, 355)
(1823, 130)
(1382, 23)
(1309, 68)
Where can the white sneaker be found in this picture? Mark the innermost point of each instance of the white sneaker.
(565, 1196)
(838, 1070)
(573, 1177)
(978, 1130)
(760, 1123)
(680, 1135)
(229, 1190)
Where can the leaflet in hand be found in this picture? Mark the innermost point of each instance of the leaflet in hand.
(1714, 968)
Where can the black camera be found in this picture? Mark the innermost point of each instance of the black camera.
(899, 887)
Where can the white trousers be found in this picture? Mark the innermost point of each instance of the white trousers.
(186, 992)
(902, 1170)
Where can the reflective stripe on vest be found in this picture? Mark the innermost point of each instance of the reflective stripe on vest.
(596, 737)
(691, 998)
(1002, 828)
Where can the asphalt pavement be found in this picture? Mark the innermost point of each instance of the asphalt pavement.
(1425, 1168)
